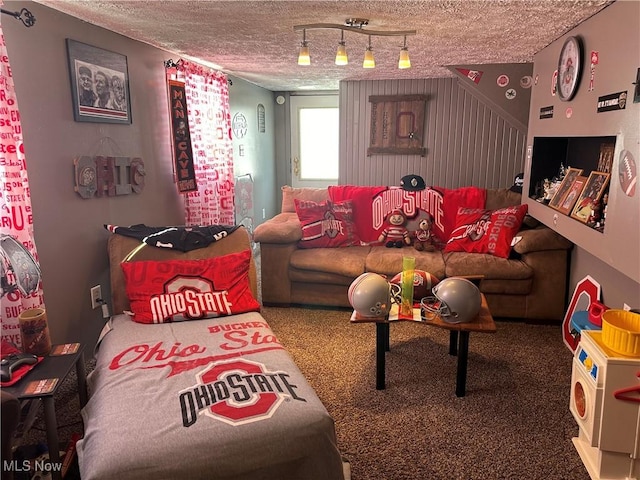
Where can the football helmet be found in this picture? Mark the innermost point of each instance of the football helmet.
(455, 300)
(371, 295)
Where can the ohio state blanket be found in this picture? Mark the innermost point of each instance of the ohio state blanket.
(207, 399)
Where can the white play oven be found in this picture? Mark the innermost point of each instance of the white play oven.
(605, 401)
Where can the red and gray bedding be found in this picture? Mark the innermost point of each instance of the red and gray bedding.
(204, 399)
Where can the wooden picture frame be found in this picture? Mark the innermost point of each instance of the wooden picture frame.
(571, 195)
(567, 182)
(590, 196)
(605, 161)
(99, 84)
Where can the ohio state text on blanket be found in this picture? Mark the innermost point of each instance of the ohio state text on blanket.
(207, 398)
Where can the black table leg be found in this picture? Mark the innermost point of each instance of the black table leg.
(82, 380)
(453, 342)
(51, 425)
(463, 353)
(382, 345)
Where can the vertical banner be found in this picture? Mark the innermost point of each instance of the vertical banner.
(181, 138)
(207, 93)
(20, 284)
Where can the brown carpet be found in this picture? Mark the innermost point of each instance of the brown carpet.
(513, 423)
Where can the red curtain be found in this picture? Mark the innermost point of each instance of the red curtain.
(21, 287)
(209, 115)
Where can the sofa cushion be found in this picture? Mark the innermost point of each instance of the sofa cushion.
(283, 228)
(486, 231)
(489, 266)
(289, 194)
(388, 261)
(349, 262)
(327, 224)
(501, 198)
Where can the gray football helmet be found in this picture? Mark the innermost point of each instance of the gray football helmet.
(455, 300)
(371, 295)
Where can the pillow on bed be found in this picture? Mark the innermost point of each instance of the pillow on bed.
(178, 290)
(486, 231)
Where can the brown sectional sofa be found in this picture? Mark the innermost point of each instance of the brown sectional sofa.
(531, 286)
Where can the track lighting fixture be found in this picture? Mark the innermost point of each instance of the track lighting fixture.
(369, 61)
(341, 54)
(303, 56)
(354, 25)
(404, 61)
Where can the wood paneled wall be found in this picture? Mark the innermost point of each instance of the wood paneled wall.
(467, 142)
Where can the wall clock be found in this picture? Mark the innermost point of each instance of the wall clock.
(569, 68)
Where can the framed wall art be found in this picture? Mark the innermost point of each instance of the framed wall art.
(590, 196)
(570, 197)
(99, 84)
(570, 175)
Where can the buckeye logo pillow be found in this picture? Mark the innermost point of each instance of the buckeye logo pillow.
(486, 231)
(179, 290)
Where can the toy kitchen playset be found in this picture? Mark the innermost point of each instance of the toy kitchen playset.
(605, 396)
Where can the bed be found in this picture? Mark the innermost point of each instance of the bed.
(207, 398)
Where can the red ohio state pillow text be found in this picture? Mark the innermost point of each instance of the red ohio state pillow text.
(179, 290)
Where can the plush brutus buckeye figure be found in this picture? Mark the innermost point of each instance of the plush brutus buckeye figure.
(395, 233)
(424, 238)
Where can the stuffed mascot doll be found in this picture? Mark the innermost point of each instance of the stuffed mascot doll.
(424, 238)
(395, 234)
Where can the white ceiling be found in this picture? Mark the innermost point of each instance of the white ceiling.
(256, 41)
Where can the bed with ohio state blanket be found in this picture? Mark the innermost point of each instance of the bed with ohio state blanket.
(201, 398)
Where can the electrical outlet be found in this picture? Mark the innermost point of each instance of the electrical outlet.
(96, 296)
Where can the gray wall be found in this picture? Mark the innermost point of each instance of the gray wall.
(255, 152)
(467, 141)
(612, 258)
(69, 232)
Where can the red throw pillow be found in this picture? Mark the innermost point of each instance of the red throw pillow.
(467, 197)
(178, 290)
(326, 224)
(486, 231)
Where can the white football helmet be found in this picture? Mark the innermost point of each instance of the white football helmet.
(455, 300)
(371, 295)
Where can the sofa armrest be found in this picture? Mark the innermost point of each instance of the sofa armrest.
(283, 228)
(540, 239)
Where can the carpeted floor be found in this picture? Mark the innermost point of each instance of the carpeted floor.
(514, 422)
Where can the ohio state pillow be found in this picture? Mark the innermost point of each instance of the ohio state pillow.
(486, 231)
(326, 224)
(179, 290)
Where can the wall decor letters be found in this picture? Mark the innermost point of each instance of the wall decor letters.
(108, 176)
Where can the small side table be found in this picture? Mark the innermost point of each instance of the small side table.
(56, 365)
(458, 341)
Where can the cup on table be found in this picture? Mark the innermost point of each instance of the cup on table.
(34, 331)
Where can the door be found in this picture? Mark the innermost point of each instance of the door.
(314, 140)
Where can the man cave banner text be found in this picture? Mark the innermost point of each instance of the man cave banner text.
(182, 151)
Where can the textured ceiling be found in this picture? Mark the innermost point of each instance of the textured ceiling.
(256, 41)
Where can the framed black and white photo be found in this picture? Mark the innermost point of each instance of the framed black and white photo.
(99, 84)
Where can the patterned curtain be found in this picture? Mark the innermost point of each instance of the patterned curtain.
(209, 116)
(20, 275)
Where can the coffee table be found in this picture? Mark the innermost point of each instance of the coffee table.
(458, 341)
